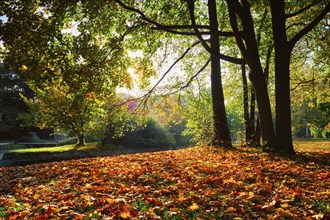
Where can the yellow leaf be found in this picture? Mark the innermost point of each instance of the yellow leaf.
(111, 201)
(125, 215)
(194, 206)
(285, 205)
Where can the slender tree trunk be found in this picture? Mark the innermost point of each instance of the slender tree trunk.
(247, 119)
(221, 130)
(265, 114)
(257, 134)
(252, 109)
(282, 78)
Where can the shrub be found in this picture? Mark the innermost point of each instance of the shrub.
(152, 134)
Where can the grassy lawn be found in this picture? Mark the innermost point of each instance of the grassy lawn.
(193, 183)
(56, 149)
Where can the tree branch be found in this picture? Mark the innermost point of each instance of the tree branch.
(302, 82)
(190, 79)
(301, 10)
(261, 25)
(191, 6)
(233, 8)
(170, 30)
(173, 28)
(310, 26)
(196, 74)
(148, 94)
(194, 26)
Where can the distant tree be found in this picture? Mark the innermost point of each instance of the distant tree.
(11, 104)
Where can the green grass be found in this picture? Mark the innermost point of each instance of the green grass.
(55, 149)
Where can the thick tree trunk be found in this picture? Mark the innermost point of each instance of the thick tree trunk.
(221, 130)
(282, 78)
(283, 111)
(81, 140)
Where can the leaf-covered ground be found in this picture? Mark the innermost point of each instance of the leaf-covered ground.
(195, 183)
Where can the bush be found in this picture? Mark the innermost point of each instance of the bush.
(150, 135)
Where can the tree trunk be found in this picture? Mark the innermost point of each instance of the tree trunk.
(247, 119)
(252, 112)
(265, 114)
(282, 78)
(283, 111)
(257, 134)
(249, 50)
(81, 140)
(221, 130)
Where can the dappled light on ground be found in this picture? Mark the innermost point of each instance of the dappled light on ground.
(195, 183)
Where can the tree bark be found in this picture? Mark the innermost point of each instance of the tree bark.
(221, 130)
(282, 78)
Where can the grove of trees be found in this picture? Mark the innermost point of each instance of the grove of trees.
(74, 55)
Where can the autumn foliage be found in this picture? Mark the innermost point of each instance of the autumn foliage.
(194, 183)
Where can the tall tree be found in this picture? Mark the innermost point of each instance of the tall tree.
(283, 49)
(247, 43)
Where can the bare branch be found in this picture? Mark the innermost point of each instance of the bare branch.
(189, 81)
(148, 94)
(196, 74)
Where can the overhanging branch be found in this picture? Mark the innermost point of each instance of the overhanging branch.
(191, 6)
(310, 26)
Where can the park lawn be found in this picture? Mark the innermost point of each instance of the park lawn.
(193, 183)
(55, 149)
